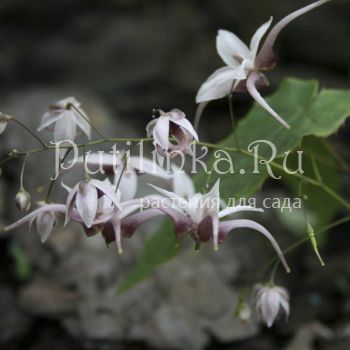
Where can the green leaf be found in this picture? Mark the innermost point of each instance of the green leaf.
(158, 249)
(316, 155)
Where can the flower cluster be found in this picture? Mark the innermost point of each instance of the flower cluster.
(110, 206)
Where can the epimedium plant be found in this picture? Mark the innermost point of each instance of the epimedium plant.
(201, 206)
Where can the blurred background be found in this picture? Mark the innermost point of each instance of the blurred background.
(121, 59)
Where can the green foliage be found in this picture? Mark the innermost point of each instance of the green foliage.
(310, 113)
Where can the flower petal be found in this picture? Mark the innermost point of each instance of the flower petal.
(231, 49)
(61, 208)
(266, 57)
(81, 120)
(147, 166)
(45, 222)
(185, 124)
(226, 226)
(131, 223)
(254, 43)
(108, 190)
(47, 119)
(232, 210)
(65, 128)
(182, 183)
(253, 78)
(127, 183)
(87, 202)
(161, 132)
(218, 85)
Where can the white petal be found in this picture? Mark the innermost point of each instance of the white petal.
(150, 127)
(48, 119)
(65, 128)
(177, 201)
(82, 122)
(45, 222)
(269, 307)
(185, 124)
(108, 190)
(161, 132)
(258, 98)
(147, 166)
(87, 202)
(127, 184)
(231, 49)
(218, 85)
(254, 43)
(232, 210)
(182, 183)
(47, 207)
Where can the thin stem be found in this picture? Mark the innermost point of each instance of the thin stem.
(304, 240)
(273, 273)
(87, 120)
(232, 116)
(316, 170)
(28, 130)
(52, 182)
(22, 173)
(124, 166)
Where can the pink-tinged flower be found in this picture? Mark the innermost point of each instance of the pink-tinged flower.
(200, 215)
(244, 64)
(114, 164)
(270, 301)
(66, 120)
(45, 218)
(108, 217)
(83, 203)
(3, 122)
(169, 125)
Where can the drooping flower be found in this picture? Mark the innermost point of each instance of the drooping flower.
(45, 218)
(169, 125)
(3, 122)
(108, 217)
(66, 119)
(83, 201)
(244, 65)
(200, 215)
(270, 301)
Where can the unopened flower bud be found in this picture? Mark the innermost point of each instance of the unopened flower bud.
(270, 301)
(22, 200)
(3, 123)
(245, 312)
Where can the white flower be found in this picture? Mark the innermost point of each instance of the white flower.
(200, 214)
(45, 218)
(83, 201)
(269, 301)
(171, 124)
(66, 119)
(243, 63)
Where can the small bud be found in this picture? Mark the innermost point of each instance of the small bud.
(22, 200)
(245, 312)
(270, 301)
(3, 123)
